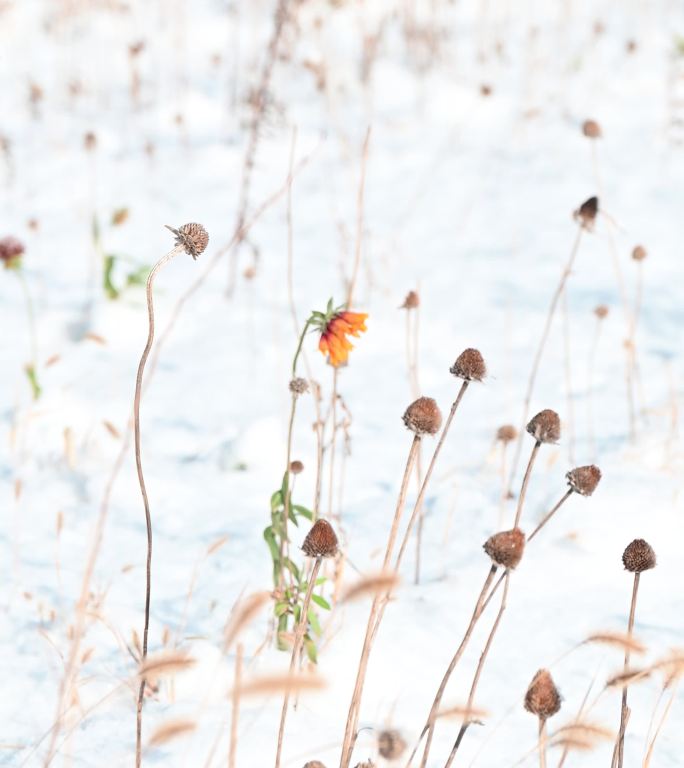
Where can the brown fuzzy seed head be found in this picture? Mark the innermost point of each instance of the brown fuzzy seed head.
(639, 253)
(11, 251)
(193, 238)
(506, 547)
(391, 744)
(314, 764)
(545, 426)
(298, 386)
(296, 467)
(507, 433)
(639, 556)
(591, 129)
(469, 365)
(423, 416)
(90, 141)
(542, 697)
(586, 213)
(321, 540)
(411, 301)
(601, 311)
(584, 480)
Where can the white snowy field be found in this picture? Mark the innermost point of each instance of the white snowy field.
(475, 162)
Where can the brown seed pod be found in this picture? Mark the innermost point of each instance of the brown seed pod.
(423, 416)
(507, 433)
(90, 141)
(542, 697)
(545, 426)
(296, 467)
(411, 301)
(584, 480)
(506, 547)
(193, 238)
(298, 386)
(469, 365)
(586, 213)
(639, 253)
(639, 556)
(601, 311)
(591, 129)
(314, 764)
(391, 744)
(321, 540)
(11, 251)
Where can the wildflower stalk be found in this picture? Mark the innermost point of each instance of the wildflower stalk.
(526, 480)
(32, 367)
(235, 705)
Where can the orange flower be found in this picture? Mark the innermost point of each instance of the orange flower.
(334, 342)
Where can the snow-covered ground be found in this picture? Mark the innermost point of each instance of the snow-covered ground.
(469, 194)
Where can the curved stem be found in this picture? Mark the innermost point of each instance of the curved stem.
(526, 480)
(299, 634)
(550, 514)
(143, 490)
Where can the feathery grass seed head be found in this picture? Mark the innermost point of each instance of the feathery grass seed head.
(545, 426)
(423, 416)
(506, 547)
(469, 365)
(321, 540)
(542, 697)
(583, 480)
(639, 556)
(193, 238)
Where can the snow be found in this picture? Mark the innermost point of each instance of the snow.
(469, 199)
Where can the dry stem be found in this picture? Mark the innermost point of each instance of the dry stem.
(235, 714)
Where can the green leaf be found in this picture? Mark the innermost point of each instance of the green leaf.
(138, 276)
(292, 568)
(276, 501)
(314, 622)
(282, 645)
(321, 601)
(303, 511)
(311, 651)
(281, 608)
(111, 291)
(32, 376)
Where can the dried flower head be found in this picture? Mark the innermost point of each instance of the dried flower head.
(591, 129)
(542, 697)
(423, 416)
(639, 556)
(11, 251)
(321, 540)
(391, 744)
(506, 547)
(193, 238)
(299, 386)
(119, 217)
(545, 426)
(507, 433)
(469, 365)
(586, 213)
(314, 764)
(90, 141)
(601, 311)
(485, 89)
(639, 253)
(584, 480)
(296, 467)
(411, 301)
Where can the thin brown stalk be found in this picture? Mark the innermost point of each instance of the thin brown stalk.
(566, 749)
(299, 635)
(141, 479)
(540, 350)
(359, 218)
(478, 671)
(567, 358)
(542, 742)
(550, 514)
(429, 727)
(651, 746)
(235, 712)
(333, 444)
(525, 483)
(373, 619)
(618, 752)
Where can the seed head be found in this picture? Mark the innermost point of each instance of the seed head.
(639, 253)
(542, 697)
(296, 467)
(639, 556)
(601, 311)
(90, 141)
(507, 433)
(321, 540)
(545, 426)
(314, 764)
(391, 744)
(506, 547)
(299, 386)
(586, 213)
(423, 416)
(469, 365)
(584, 480)
(193, 238)
(411, 301)
(11, 251)
(591, 129)
(366, 764)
